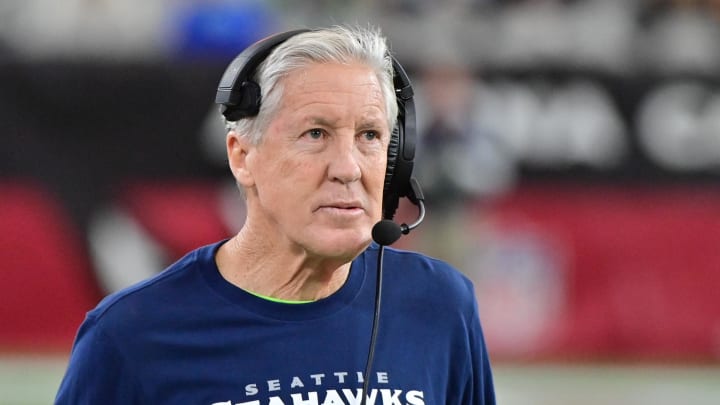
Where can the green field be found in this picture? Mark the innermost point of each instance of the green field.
(32, 380)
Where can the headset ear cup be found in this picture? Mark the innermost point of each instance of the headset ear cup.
(401, 148)
(231, 113)
(248, 104)
(237, 93)
(391, 198)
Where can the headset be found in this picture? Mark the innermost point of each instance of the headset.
(239, 97)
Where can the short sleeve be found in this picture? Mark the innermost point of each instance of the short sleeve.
(97, 372)
(481, 390)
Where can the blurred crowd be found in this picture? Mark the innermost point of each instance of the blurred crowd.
(617, 35)
(502, 85)
(104, 97)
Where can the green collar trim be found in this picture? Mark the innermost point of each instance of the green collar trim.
(280, 300)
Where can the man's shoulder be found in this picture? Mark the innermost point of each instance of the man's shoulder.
(152, 294)
(425, 265)
(423, 272)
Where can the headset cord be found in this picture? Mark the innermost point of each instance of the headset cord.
(375, 325)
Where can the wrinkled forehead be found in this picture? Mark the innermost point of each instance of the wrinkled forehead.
(353, 84)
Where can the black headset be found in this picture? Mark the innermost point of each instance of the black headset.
(239, 97)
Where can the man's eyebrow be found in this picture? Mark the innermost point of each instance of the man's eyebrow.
(371, 123)
(322, 121)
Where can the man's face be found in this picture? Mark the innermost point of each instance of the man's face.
(315, 182)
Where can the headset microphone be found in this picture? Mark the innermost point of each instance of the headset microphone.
(387, 232)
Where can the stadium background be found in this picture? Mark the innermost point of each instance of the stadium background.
(570, 153)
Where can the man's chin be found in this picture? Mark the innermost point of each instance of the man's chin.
(343, 244)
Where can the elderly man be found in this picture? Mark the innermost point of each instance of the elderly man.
(287, 310)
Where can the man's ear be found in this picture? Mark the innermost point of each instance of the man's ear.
(238, 149)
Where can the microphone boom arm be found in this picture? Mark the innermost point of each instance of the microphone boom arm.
(417, 198)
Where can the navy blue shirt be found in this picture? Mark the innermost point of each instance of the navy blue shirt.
(188, 336)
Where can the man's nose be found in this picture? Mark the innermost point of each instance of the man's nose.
(343, 164)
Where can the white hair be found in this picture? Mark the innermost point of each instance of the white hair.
(331, 45)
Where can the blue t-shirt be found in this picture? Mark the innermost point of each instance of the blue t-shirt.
(188, 336)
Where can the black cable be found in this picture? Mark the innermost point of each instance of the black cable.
(375, 324)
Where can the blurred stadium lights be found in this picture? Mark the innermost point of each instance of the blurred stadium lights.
(555, 125)
(679, 126)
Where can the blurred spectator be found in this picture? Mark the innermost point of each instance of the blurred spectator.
(107, 29)
(429, 7)
(221, 28)
(711, 6)
(681, 37)
(132, 29)
(460, 159)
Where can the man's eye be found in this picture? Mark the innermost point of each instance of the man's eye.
(315, 133)
(370, 135)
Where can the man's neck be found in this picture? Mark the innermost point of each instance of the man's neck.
(279, 274)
